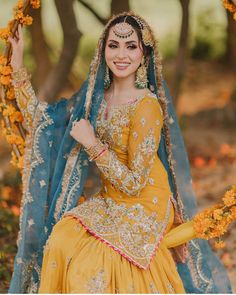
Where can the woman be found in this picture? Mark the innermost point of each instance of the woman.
(118, 240)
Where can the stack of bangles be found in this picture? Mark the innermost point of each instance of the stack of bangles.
(95, 151)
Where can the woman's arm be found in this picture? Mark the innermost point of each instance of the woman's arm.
(145, 132)
(25, 95)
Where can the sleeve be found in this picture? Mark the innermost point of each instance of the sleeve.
(180, 235)
(144, 138)
(25, 96)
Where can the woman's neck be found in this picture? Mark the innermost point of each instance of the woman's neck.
(122, 86)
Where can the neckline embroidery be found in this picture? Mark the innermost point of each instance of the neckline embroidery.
(107, 117)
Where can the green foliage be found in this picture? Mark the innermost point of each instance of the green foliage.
(209, 40)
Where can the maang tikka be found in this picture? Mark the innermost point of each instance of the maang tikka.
(123, 29)
(141, 80)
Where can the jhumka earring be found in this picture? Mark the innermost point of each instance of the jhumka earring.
(107, 79)
(141, 80)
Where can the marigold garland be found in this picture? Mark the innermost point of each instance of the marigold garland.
(231, 7)
(214, 222)
(12, 117)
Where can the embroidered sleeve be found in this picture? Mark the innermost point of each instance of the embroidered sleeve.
(145, 131)
(25, 96)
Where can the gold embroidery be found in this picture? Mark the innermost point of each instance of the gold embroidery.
(129, 230)
(133, 177)
(97, 284)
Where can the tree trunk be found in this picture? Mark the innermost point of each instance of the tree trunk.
(181, 59)
(58, 75)
(118, 6)
(39, 49)
(231, 41)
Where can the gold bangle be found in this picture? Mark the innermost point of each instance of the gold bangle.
(94, 150)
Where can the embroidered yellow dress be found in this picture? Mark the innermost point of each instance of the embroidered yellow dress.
(113, 242)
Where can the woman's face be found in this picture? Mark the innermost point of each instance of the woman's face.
(123, 56)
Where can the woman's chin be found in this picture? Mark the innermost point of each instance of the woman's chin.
(121, 75)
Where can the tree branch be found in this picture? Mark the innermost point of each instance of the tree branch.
(58, 75)
(101, 19)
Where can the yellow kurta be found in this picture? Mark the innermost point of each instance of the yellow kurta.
(114, 242)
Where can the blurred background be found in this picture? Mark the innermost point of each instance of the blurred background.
(197, 40)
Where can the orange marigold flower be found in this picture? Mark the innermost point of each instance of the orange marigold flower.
(5, 33)
(35, 3)
(19, 15)
(3, 60)
(27, 20)
(16, 117)
(229, 198)
(219, 244)
(5, 80)
(217, 214)
(5, 70)
(20, 4)
(11, 93)
(8, 110)
(233, 212)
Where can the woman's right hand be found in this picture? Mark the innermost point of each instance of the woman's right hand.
(17, 43)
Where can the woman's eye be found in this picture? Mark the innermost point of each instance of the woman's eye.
(112, 46)
(132, 47)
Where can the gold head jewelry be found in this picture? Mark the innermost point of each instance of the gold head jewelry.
(146, 34)
(123, 29)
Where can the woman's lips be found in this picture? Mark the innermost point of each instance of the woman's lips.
(121, 65)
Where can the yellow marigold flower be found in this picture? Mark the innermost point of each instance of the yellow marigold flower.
(3, 60)
(5, 80)
(5, 33)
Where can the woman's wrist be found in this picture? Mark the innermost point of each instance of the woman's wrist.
(20, 76)
(95, 150)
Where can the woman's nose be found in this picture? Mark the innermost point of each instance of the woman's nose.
(121, 53)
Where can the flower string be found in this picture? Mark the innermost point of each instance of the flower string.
(230, 6)
(12, 117)
(214, 222)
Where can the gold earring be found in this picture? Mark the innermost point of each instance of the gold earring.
(107, 79)
(141, 80)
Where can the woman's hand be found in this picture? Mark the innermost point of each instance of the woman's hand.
(83, 132)
(17, 43)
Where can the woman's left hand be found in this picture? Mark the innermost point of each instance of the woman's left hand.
(83, 132)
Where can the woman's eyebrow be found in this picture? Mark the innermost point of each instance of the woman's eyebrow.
(128, 42)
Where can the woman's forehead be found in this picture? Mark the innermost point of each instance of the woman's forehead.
(112, 36)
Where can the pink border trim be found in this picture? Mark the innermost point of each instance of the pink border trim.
(116, 249)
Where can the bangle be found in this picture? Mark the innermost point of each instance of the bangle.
(99, 155)
(95, 150)
(20, 77)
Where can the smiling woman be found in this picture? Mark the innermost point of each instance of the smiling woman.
(120, 240)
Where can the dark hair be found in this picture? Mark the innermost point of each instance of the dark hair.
(131, 21)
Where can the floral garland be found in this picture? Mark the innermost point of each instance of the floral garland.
(214, 222)
(12, 117)
(230, 6)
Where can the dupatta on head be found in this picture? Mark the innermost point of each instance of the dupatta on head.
(56, 169)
